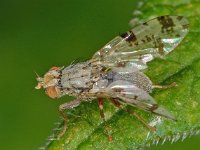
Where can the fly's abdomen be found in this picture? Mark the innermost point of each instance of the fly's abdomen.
(138, 79)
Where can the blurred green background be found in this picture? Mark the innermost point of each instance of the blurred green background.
(38, 34)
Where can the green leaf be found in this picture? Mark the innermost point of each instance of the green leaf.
(86, 129)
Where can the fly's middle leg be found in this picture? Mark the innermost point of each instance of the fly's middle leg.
(165, 86)
(63, 107)
(108, 130)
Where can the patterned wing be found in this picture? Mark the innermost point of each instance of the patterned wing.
(154, 38)
(132, 95)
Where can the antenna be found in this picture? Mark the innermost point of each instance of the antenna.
(39, 79)
(37, 74)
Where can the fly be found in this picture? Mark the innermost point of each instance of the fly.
(116, 72)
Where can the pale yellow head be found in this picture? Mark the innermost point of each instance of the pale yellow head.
(50, 82)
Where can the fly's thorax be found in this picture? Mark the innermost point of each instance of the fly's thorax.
(79, 78)
(53, 92)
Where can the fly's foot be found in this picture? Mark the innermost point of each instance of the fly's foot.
(109, 133)
(62, 132)
(165, 86)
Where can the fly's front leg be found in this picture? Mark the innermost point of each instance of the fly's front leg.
(108, 130)
(62, 107)
(119, 105)
(165, 86)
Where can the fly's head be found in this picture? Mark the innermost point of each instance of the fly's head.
(50, 82)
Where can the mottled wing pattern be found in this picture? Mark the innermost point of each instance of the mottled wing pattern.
(154, 38)
(132, 95)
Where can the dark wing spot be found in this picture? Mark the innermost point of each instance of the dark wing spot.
(140, 57)
(152, 36)
(179, 18)
(160, 46)
(143, 40)
(154, 107)
(131, 37)
(148, 38)
(104, 69)
(166, 23)
(145, 24)
(161, 18)
(136, 43)
(130, 44)
(124, 35)
(185, 26)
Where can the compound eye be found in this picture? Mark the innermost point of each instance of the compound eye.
(53, 92)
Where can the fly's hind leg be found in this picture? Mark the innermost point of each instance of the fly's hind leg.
(62, 107)
(117, 103)
(165, 86)
(108, 130)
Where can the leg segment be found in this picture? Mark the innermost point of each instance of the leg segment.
(100, 104)
(165, 86)
(108, 130)
(62, 107)
(119, 105)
